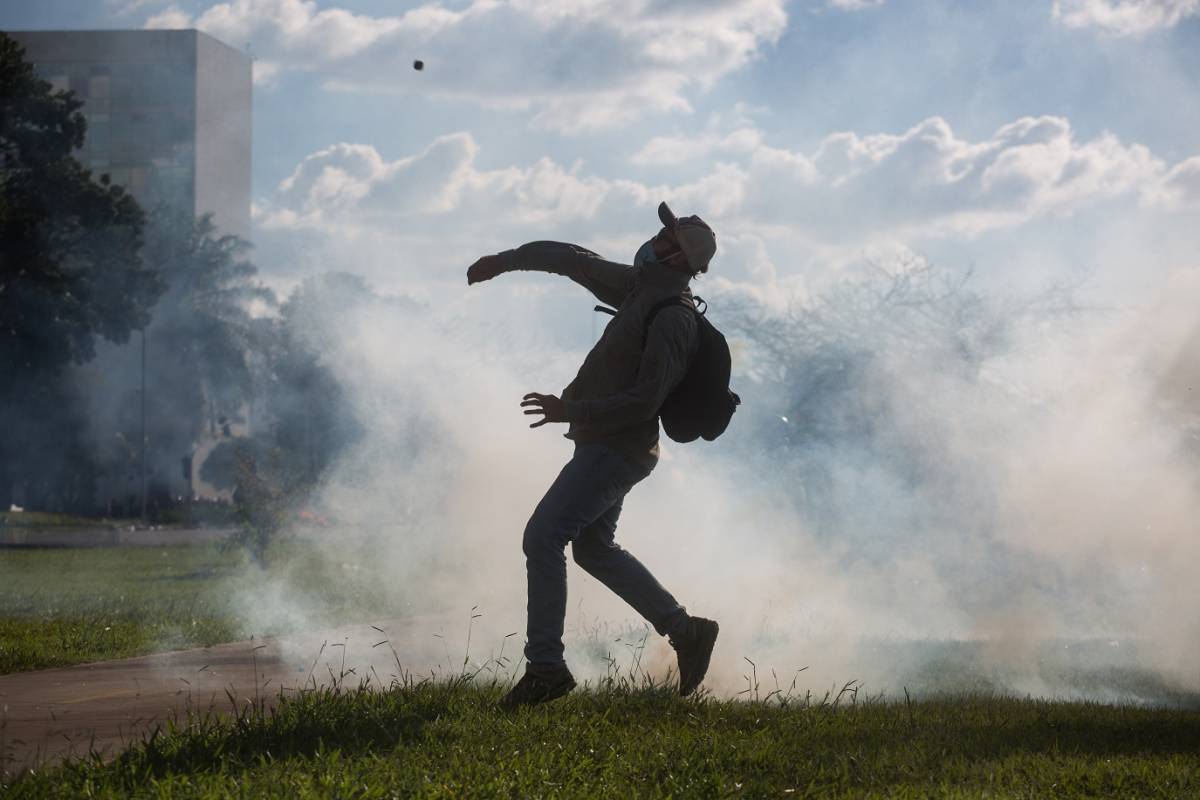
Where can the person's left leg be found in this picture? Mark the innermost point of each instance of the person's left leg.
(692, 637)
(596, 551)
(596, 478)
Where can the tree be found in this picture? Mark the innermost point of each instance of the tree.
(69, 245)
(306, 419)
(200, 346)
(833, 371)
(70, 266)
(311, 417)
(203, 328)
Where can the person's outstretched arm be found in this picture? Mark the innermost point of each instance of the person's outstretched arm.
(607, 280)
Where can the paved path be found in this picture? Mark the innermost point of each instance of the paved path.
(106, 706)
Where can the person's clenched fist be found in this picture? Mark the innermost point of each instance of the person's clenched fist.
(484, 269)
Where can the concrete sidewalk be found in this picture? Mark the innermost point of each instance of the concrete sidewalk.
(106, 706)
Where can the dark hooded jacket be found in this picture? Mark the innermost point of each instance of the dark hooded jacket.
(629, 372)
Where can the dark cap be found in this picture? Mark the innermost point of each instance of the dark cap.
(696, 239)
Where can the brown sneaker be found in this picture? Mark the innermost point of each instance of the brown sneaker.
(694, 646)
(538, 686)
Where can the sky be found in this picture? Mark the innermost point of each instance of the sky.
(1037, 142)
(1029, 140)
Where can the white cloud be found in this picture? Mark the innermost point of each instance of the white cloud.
(577, 65)
(266, 73)
(1124, 17)
(126, 7)
(1180, 188)
(856, 5)
(171, 18)
(352, 186)
(665, 151)
(349, 207)
(853, 194)
(924, 182)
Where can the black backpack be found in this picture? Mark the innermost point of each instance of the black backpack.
(701, 405)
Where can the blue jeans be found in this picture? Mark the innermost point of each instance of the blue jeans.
(581, 508)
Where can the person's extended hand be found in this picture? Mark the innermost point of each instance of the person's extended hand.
(550, 407)
(484, 269)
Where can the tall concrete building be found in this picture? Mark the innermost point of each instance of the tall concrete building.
(168, 114)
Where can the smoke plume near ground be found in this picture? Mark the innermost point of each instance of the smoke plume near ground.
(1043, 544)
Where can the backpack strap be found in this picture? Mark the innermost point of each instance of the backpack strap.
(659, 306)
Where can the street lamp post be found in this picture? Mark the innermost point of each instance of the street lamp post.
(143, 426)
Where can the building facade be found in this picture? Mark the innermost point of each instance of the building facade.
(168, 114)
(169, 119)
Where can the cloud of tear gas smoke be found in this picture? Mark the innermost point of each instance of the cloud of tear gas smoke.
(1027, 526)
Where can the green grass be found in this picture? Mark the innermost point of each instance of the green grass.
(622, 738)
(64, 606)
(446, 739)
(41, 519)
(199, 513)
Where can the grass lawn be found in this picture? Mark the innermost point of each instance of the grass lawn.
(621, 738)
(208, 513)
(64, 606)
(41, 519)
(618, 740)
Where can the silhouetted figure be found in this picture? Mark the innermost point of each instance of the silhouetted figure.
(612, 410)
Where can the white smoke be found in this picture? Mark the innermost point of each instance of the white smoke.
(1061, 513)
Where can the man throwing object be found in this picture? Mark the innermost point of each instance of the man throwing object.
(612, 411)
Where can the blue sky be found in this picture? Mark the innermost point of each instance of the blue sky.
(1030, 139)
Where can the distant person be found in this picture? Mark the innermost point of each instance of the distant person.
(612, 410)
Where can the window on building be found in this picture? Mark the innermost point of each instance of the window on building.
(77, 77)
(99, 86)
(98, 134)
(120, 176)
(54, 74)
